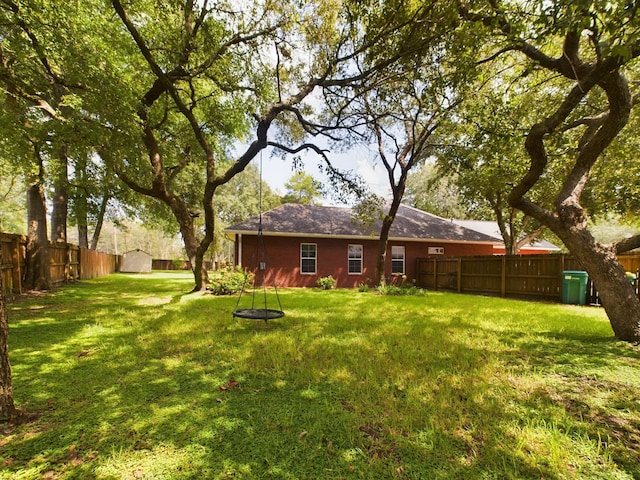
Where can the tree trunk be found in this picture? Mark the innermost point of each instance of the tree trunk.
(60, 201)
(191, 244)
(38, 275)
(382, 250)
(614, 288)
(100, 221)
(80, 203)
(83, 232)
(7, 407)
(387, 222)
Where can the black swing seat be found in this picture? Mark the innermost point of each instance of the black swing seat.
(258, 313)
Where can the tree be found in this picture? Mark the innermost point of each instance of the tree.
(43, 73)
(38, 274)
(12, 195)
(437, 193)
(239, 199)
(7, 408)
(401, 108)
(205, 80)
(591, 47)
(481, 150)
(195, 105)
(302, 188)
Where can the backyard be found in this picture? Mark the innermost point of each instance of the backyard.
(129, 377)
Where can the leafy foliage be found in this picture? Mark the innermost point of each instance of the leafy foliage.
(229, 280)
(399, 286)
(326, 283)
(302, 188)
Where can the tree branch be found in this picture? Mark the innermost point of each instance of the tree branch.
(627, 244)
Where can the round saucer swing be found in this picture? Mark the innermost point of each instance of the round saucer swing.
(259, 308)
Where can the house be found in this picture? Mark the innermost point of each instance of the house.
(493, 230)
(302, 243)
(136, 261)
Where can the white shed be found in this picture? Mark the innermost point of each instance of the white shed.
(136, 261)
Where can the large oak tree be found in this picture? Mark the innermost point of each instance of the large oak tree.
(592, 46)
(400, 109)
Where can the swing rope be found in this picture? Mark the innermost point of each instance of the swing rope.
(259, 259)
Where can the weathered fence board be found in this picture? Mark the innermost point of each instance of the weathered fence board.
(517, 276)
(67, 262)
(12, 261)
(96, 264)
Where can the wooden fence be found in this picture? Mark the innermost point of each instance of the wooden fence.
(517, 276)
(67, 262)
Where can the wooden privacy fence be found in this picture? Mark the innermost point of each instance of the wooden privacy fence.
(67, 262)
(518, 276)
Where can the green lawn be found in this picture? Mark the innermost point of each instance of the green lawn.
(131, 378)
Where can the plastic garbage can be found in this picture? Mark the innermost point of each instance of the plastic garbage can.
(574, 287)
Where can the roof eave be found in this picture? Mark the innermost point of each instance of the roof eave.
(355, 237)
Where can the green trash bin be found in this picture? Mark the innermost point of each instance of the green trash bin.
(631, 277)
(574, 287)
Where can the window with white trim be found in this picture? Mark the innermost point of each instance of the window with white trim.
(397, 260)
(355, 259)
(308, 258)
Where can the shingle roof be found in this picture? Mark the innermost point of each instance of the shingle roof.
(318, 221)
(492, 229)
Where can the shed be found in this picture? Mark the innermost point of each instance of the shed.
(136, 261)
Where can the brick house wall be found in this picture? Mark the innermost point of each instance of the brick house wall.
(282, 257)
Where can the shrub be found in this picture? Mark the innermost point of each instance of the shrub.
(228, 281)
(364, 286)
(326, 283)
(178, 264)
(395, 290)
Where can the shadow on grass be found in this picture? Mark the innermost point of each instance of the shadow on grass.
(346, 385)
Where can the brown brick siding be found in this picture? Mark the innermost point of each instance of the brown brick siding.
(282, 255)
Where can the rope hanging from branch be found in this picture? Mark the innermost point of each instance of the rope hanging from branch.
(259, 310)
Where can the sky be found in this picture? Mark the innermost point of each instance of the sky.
(361, 160)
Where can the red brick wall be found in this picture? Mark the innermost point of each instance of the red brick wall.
(282, 256)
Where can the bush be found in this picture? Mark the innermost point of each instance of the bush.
(326, 283)
(395, 290)
(177, 264)
(229, 281)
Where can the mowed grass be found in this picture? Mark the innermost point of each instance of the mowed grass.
(131, 378)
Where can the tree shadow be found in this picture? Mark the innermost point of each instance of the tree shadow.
(183, 389)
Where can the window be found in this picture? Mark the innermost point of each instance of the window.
(355, 259)
(308, 257)
(397, 260)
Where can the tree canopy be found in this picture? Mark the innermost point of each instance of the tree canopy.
(582, 56)
(531, 105)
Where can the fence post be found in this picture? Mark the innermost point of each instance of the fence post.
(17, 264)
(67, 262)
(459, 274)
(503, 276)
(435, 274)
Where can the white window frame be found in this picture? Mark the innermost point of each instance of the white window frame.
(314, 258)
(358, 258)
(396, 251)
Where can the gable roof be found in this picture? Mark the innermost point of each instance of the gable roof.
(317, 221)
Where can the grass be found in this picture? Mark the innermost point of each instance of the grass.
(132, 379)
